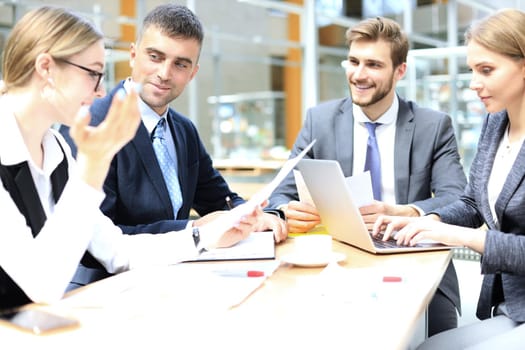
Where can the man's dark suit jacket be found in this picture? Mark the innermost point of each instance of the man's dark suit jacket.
(137, 199)
(428, 172)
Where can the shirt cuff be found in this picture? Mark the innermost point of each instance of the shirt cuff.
(418, 209)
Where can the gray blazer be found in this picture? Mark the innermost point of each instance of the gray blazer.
(426, 161)
(428, 172)
(503, 261)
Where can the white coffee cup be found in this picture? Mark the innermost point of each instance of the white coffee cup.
(313, 245)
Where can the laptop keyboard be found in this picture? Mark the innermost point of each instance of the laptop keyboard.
(379, 243)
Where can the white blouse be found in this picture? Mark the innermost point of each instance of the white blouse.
(503, 162)
(43, 266)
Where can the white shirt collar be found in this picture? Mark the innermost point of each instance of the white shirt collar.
(150, 118)
(13, 149)
(389, 117)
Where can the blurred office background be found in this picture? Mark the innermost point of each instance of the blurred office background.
(264, 62)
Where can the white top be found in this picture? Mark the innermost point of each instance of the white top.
(43, 266)
(385, 135)
(505, 158)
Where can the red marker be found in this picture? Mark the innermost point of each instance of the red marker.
(234, 273)
(392, 279)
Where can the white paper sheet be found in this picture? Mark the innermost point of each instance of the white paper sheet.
(227, 221)
(196, 287)
(302, 189)
(360, 187)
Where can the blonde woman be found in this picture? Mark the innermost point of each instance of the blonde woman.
(52, 69)
(495, 195)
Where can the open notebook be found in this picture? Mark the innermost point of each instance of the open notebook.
(332, 198)
(259, 245)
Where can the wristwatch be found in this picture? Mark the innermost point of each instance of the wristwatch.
(277, 212)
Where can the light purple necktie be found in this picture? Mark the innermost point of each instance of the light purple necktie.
(373, 160)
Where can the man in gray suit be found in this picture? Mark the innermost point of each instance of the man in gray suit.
(419, 161)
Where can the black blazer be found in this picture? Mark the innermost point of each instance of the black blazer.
(137, 199)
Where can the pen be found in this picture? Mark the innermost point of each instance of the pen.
(229, 202)
(392, 279)
(242, 273)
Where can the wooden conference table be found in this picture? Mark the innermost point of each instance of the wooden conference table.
(345, 306)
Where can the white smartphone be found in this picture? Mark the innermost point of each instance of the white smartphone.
(36, 321)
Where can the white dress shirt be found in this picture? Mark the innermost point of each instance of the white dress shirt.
(43, 266)
(385, 135)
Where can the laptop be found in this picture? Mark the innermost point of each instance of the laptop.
(326, 183)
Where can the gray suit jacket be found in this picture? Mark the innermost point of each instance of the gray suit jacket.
(428, 172)
(503, 261)
(426, 157)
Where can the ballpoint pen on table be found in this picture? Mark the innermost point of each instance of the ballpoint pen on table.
(229, 202)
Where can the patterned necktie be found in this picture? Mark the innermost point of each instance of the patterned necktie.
(168, 166)
(373, 160)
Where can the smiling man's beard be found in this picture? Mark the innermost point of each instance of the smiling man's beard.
(376, 97)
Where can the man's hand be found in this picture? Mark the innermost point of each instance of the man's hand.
(276, 225)
(213, 235)
(301, 217)
(263, 221)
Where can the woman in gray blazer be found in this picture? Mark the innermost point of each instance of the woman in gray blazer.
(491, 213)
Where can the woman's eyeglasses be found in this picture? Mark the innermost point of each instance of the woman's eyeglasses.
(93, 73)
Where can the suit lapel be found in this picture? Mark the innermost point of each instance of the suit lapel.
(179, 141)
(513, 181)
(34, 213)
(344, 137)
(402, 151)
(514, 178)
(59, 177)
(494, 135)
(146, 154)
(19, 183)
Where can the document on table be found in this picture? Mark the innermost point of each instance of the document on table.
(187, 288)
(259, 245)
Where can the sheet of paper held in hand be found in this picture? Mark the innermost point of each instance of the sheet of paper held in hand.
(359, 185)
(228, 220)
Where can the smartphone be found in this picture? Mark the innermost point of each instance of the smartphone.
(36, 321)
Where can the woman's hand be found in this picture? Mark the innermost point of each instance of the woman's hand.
(97, 145)
(411, 231)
